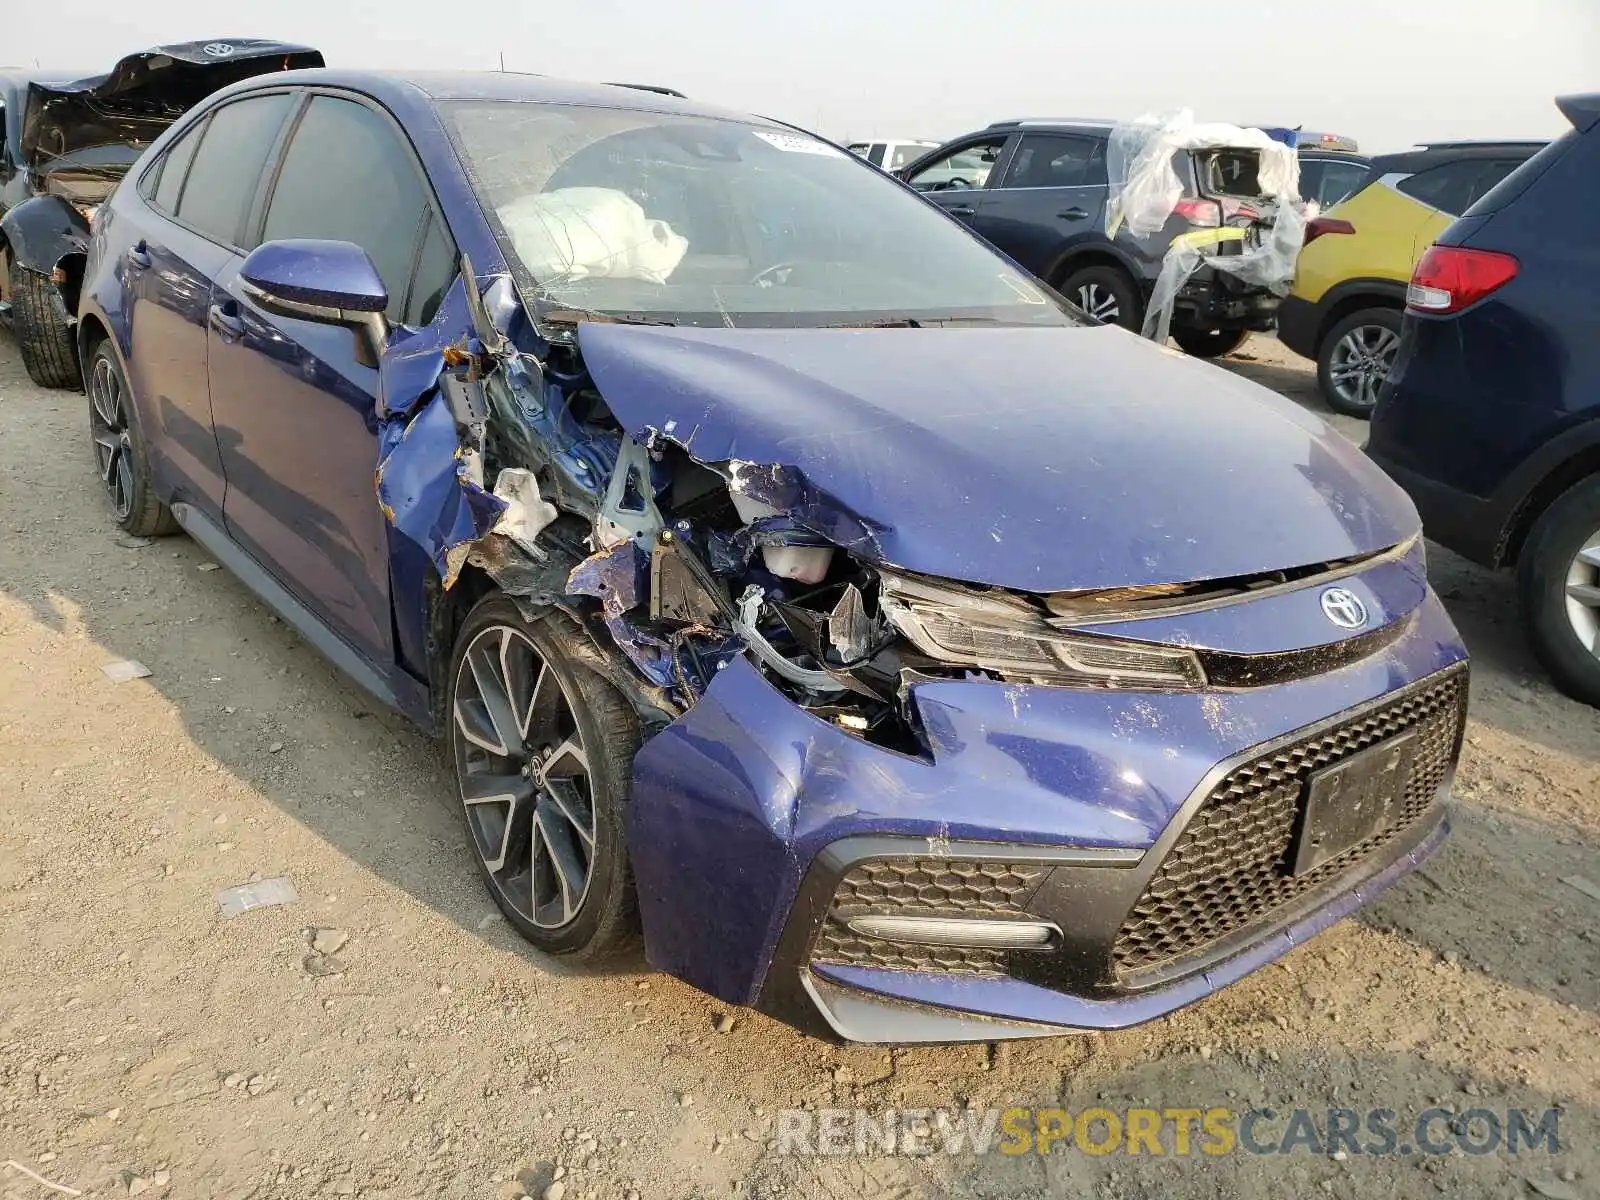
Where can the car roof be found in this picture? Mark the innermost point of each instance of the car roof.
(1438, 153)
(498, 85)
(1066, 124)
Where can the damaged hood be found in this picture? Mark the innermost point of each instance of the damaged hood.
(1035, 459)
(144, 93)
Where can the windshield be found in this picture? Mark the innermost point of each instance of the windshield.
(694, 220)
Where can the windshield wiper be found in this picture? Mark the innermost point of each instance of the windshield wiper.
(886, 323)
(571, 316)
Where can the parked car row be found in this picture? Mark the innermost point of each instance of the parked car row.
(65, 142)
(1038, 189)
(1350, 281)
(789, 577)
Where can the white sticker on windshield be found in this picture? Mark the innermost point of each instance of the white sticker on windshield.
(795, 143)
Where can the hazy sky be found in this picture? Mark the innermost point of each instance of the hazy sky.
(1388, 72)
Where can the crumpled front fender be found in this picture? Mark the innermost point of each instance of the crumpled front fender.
(42, 231)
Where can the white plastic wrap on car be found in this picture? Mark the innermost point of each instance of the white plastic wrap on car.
(1145, 189)
(591, 233)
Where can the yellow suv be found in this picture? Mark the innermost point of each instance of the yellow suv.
(1350, 283)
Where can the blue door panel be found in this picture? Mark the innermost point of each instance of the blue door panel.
(167, 368)
(296, 424)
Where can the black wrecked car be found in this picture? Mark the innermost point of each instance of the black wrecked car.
(65, 141)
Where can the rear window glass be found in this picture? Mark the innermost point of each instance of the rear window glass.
(1232, 173)
(223, 177)
(173, 169)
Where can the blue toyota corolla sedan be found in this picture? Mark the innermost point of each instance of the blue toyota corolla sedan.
(789, 578)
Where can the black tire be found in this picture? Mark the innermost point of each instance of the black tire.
(1373, 325)
(605, 921)
(1209, 343)
(1547, 560)
(119, 448)
(1096, 287)
(44, 330)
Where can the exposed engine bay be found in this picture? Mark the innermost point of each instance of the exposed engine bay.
(513, 464)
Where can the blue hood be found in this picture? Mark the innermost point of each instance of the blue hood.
(1036, 459)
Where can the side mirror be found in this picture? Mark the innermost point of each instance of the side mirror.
(333, 283)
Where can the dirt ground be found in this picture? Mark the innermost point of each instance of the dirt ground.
(150, 1046)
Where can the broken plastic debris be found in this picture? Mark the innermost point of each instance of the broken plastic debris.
(527, 513)
(277, 890)
(125, 669)
(134, 543)
(208, 566)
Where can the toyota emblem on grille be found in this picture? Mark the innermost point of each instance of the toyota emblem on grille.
(218, 49)
(1344, 608)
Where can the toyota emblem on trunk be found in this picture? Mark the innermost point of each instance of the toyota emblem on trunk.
(1344, 608)
(218, 49)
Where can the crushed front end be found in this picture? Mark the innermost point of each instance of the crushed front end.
(880, 800)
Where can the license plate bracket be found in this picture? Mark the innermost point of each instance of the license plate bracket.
(1349, 802)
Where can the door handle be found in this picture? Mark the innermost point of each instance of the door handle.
(138, 257)
(224, 322)
(963, 211)
(1073, 214)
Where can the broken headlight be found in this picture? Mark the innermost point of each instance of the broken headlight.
(1008, 637)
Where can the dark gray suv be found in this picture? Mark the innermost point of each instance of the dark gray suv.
(1037, 191)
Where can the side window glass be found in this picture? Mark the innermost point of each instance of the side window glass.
(174, 166)
(227, 165)
(967, 167)
(1449, 187)
(1339, 180)
(436, 271)
(346, 177)
(905, 153)
(1490, 178)
(1052, 160)
(1311, 175)
(875, 155)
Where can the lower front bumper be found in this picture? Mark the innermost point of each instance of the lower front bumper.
(866, 1004)
(738, 805)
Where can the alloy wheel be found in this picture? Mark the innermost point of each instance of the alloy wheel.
(1099, 302)
(1360, 362)
(523, 774)
(108, 426)
(1583, 594)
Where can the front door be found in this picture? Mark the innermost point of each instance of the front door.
(956, 181)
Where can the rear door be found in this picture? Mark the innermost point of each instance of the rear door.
(956, 179)
(199, 192)
(1051, 197)
(294, 403)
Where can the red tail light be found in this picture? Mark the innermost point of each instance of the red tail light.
(1199, 212)
(1318, 226)
(1450, 278)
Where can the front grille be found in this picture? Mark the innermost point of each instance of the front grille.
(925, 887)
(1230, 868)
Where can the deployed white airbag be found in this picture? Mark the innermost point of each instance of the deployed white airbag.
(591, 233)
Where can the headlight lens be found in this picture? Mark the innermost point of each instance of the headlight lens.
(994, 635)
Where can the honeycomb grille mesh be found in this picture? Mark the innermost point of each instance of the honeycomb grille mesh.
(1230, 868)
(926, 888)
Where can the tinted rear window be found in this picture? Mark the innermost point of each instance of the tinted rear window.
(223, 177)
